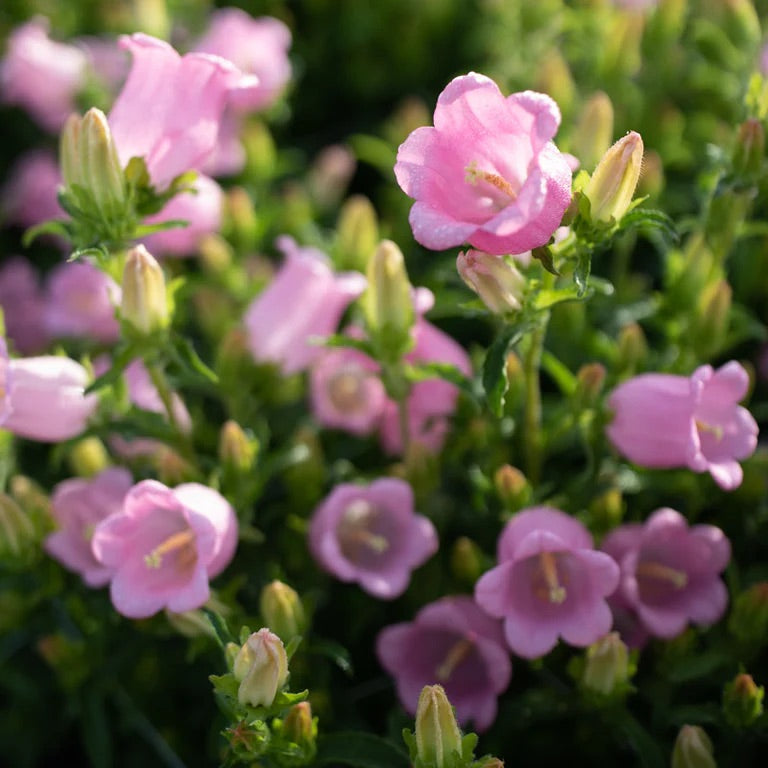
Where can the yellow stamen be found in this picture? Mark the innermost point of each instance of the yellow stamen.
(473, 174)
(453, 658)
(652, 570)
(556, 593)
(181, 542)
(704, 427)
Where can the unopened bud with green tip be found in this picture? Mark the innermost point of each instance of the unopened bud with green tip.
(282, 610)
(512, 487)
(300, 728)
(606, 668)
(145, 301)
(594, 130)
(237, 451)
(612, 185)
(261, 669)
(438, 738)
(498, 284)
(693, 749)
(357, 233)
(589, 384)
(743, 701)
(17, 531)
(632, 348)
(387, 304)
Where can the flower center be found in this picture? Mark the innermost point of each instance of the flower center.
(705, 428)
(549, 589)
(473, 175)
(182, 544)
(356, 536)
(661, 572)
(456, 654)
(346, 390)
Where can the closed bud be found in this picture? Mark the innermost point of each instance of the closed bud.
(554, 77)
(100, 168)
(88, 457)
(493, 279)
(357, 233)
(589, 383)
(713, 318)
(172, 468)
(693, 749)
(260, 150)
(748, 621)
(145, 304)
(190, 623)
(606, 669)
(236, 450)
(613, 183)
(387, 303)
(742, 701)
(17, 532)
(69, 152)
(633, 348)
(512, 487)
(750, 150)
(607, 509)
(261, 668)
(300, 728)
(438, 738)
(467, 560)
(742, 23)
(282, 610)
(330, 174)
(594, 130)
(215, 254)
(241, 218)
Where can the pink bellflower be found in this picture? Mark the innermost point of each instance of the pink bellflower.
(23, 305)
(549, 583)
(670, 574)
(370, 535)
(31, 194)
(451, 642)
(164, 547)
(661, 420)
(488, 172)
(78, 505)
(303, 303)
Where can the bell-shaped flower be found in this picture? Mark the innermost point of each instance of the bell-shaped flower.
(549, 583)
(487, 173)
(454, 643)
(371, 535)
(670, 574)
(23, 305)
(169, 109)
(78, 505)
(662, 420)
(30, 195)
(164, 546)
(316, 297)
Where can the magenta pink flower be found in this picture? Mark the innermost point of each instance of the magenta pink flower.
(201, 209)
(23, 305)
(370, 535)
(487, 173)
(164, 546)
(5, 382)
(670, 572)
(168, 112)
(346, 391)
(30, 195)
(661, 420)
(256, 46)
(77, 506)
(81, 302)
(40, 75)
(316, 297)
(46, 398)
(453, 643)
(549, 583)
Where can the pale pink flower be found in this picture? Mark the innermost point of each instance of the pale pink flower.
(549, 583)
(107, 61)
(143, 393)
(81, 302)
(303, 303)
(661, 420)
(670, 572)
(257, 47)
(30, 195)
(370, 535)
(487, 173)
(5, 382)
(451, 642)
(41, 75)
(77, 506)
(168, 112)
(201, 210)
(47, 398)
(164, 546)
(23, 305)
(228, 157)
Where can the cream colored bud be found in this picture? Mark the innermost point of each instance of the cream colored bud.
(236, 450)
(145, 304)
(594, 131)
(493, 279)
(69, 151)
(607, 665)
(613, 183)
(100, 164)
(358, 233)
(693, 749)
(438, 738)
(261, 668)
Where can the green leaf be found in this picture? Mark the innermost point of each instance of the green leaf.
(581, 273)
(148, 229)
(340, 340)
(120, 362)
(225, 684)
(495, 368)
(359, 749)
(548, 297)
(544, 255)
(95, 731)
(220, 628)
(651, 223)
(375, 151)
(337, 653)
(186, 356)
(565, 380)
(437, 370)
(50, 227)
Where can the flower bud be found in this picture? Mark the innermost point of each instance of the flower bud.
(554, 77)
(606, 670)
(88, 457)
(282, 610)
(260, 150)
(241, 216)
(261, 668)
(236, 450)
(493, 279)
(589, 383)
(17, 531)
(713, 318)
(613, 183)
(438, 738)
(633, 348)
(607, 510)
(594, 130)
(512, 487)
(693, 749)
(300, 728)
(467, 560)
(742, 701)
(145, 304)
(387, 303)
(357, 233)
(330, 175)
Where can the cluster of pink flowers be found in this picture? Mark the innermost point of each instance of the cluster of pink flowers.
(156, 547)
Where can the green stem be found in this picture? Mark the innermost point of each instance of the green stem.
(534, 439)
(158, 378)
